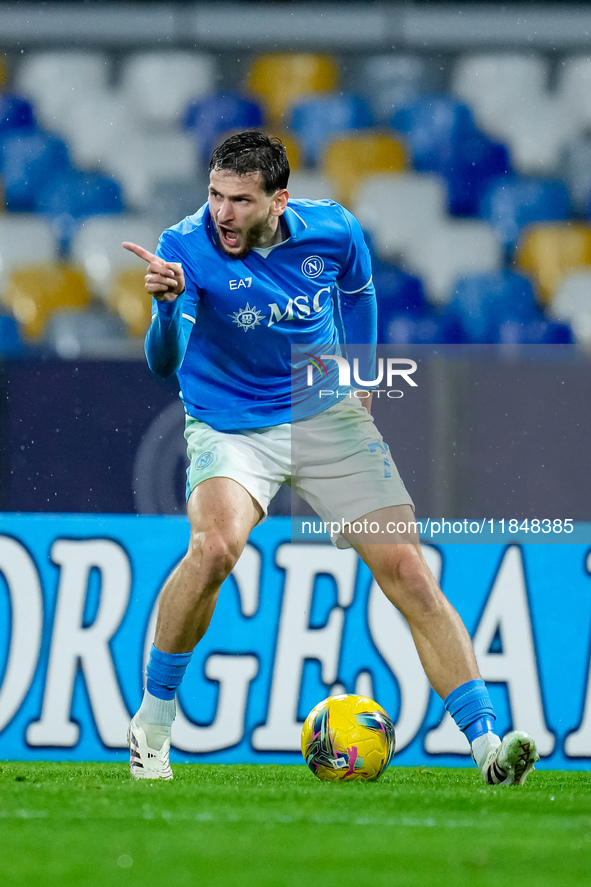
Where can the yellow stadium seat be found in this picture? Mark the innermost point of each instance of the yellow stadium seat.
(350, 159)
(279, 78)
(292, 146)
(3, 73)
(131, 302)
(35, 292)
(551, 252)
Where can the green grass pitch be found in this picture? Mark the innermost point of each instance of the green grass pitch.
(90, 825)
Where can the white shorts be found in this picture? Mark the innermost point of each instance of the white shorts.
(336, 461)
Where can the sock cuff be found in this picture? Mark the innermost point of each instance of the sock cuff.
(470, 703)
(165, 671)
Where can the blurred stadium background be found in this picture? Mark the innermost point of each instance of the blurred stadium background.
(458, 133)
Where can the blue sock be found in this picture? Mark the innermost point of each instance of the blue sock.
(471, 708)
(165, 671)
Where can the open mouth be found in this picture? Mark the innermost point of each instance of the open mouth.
(228, 237)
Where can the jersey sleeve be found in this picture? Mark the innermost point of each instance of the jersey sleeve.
(355, 275)
(168, 336)
(357, 301)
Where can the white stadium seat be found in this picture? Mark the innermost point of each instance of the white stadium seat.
(97, 247)
(396, 209)
(574, 88)
(450, 250)
(54, 80)
(572, 305)
(160, 85)
(24, 240)
(494, 83)
(140, 161)
(311, 184)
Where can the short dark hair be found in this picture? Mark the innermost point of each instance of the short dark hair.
(254, 151)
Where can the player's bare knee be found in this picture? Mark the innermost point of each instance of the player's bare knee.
(213, 556)
(416, 593)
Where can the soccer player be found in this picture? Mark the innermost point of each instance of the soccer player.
(235, 286)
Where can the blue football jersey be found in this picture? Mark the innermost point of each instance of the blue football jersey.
(239, 318)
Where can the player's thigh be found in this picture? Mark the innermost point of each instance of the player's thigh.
(344, 469)
(223, 505)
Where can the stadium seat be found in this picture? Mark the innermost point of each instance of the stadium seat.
(348, 160)
(398, 294)
(537, 134)
(3, 73)
(96, 123)
(27, 160)
(572, 305)
(158, 86)
(141, 160)
(575, 169)
(97, 249)
(443, 138)
(209, 118)
(433, 125)
(89, 333)
(432, 329)
(494, 83)
(15, 114)
(450, 250)
(318, 120)
(34, 292)
(573, 88)
(536, 332)
(56, 79)
(397, 209)
(24, 239)
(312, 185)
(390, 80)
(130, 302)
(480, 303)
(10, 340)
(511, 202)
(279, 79)
(549, 253)
(80, 194)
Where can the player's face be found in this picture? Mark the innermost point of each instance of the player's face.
(244, 215)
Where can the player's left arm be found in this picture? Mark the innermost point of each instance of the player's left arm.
(357, 297)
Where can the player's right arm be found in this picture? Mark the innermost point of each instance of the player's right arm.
(168, 335)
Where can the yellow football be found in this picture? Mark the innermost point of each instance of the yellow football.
(348, 738)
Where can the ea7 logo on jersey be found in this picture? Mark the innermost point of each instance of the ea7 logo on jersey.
(313, 266)
(245, 282)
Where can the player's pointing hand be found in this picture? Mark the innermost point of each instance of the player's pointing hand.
(164, 280)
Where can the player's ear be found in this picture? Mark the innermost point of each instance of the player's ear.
(279, 204)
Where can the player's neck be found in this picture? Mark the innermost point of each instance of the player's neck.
(278, 236)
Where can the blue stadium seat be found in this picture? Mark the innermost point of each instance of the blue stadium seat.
(210, 117)
(443, 138)
(511, 202)
(28, 160)
(315, 121)
(432, 329)
(535, 332)
(433, 125)
(398, 293)
(78, 194)
(15, 113)
(482, 302)
(10, 340)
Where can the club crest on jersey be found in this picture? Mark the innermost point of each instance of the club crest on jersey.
(313, 266)
(247, 318)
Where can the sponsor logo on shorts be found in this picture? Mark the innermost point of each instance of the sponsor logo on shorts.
(204, 460)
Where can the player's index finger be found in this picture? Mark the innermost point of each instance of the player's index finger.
(142, 253)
